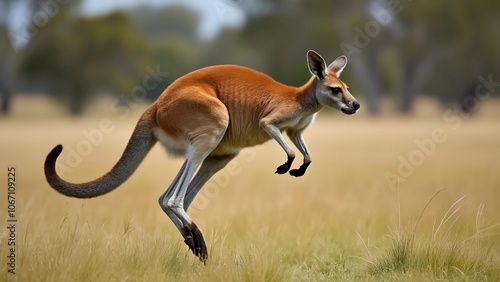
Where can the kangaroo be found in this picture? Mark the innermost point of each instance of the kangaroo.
(207, 117)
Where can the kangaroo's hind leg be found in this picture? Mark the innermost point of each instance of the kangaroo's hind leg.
(210, 166)
(203, 128)
(172, 201)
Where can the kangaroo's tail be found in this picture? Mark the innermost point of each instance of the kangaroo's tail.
(139, 145)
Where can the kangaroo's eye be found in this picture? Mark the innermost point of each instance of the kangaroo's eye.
(336, 90)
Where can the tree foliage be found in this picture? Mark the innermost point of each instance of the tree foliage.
(80, 56)
(8, 59)
(396, 48)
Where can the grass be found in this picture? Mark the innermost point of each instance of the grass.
(341, 221)
(442, 254)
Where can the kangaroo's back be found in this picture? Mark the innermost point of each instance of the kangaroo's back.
(232, 83)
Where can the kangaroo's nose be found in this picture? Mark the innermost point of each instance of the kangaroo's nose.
(355, 105)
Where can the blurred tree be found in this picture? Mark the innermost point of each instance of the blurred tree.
(403, 47)
(441, 47)
(395, 47)
(158, 24)
(81, 55)
(362, 41)
(278, 33)
(465, 41)
(277, 36)
(7, 59)
(420, 43)
(171, 34)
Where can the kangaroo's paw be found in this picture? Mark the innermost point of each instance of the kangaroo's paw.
(196, 243)
(300, 171)
(200, 248)
(282, 169)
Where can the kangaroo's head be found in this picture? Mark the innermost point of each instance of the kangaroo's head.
(330, 90)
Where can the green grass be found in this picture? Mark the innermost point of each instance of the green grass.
(341, 221)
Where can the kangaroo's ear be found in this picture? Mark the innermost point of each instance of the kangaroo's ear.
(317, 65)
(338, 65)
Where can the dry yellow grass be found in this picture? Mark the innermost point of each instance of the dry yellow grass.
(341, 221)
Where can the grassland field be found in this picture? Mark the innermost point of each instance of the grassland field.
(385, 199)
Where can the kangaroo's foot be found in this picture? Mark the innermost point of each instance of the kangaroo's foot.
(196, 243)
(282, 169)
(300, 171)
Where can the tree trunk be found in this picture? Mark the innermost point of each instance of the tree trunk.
(7, 64)
(369, 85)
(76, 103)
(78, 95)
(5, 101)
(7, 82)
(414, 75)
(363, 63)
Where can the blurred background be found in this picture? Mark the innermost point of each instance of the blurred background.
(75, 51)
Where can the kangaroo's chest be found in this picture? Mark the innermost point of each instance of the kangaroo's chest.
(249, 134)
